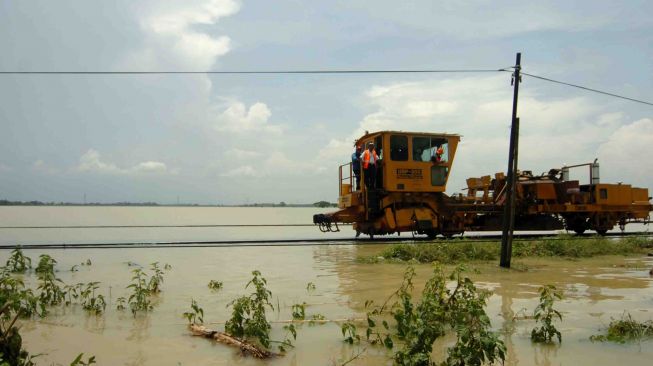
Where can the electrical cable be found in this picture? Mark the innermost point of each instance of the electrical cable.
(253, 72)
(587, 88)
(344, 71)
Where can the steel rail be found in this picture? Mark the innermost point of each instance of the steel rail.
(306, 242)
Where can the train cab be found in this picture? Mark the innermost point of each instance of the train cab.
(397, 186)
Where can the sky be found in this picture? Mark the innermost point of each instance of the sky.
(230, 139)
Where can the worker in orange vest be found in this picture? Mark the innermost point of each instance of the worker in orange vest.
(370, 160)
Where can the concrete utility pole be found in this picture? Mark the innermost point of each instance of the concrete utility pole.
(511, 179)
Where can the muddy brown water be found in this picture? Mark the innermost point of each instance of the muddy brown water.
(596, 290)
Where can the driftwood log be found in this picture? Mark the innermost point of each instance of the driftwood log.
(228, 339)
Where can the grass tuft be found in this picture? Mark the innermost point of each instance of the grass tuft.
(451, 252)
(626, 329)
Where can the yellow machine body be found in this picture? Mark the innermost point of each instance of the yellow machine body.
(412, 171)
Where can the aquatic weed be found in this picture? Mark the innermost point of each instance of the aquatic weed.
(215, 285)
(299, 311)
(248, 317)
(196, 315)
(625, 329)
(139, 300)
(544, 315)
(419, 325)
(79, 361)
(156, 279)
(18, 262)
(91, 302)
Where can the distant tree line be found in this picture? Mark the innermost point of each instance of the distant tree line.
(40, 203)
(280, 204)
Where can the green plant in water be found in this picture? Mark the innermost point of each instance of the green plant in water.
(11, 346)
(50, 290)
(475, 344)
(545, 314)
(626, 329)
(18, 262)
(317, 319)
(46, 264)
(215, 285)
(79, 360)
(349, 333)
(91, 302)
(72, 293)
(287, 342)
(139, 300)
(196, 315)
(120, 303)
(310, 287)
(419, 325)
(156, 279)
(248, 317)
(299, 311)
(16, 298)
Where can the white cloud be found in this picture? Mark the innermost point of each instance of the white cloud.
(91, 162)
(42, 167)
(150, 167)
(241, 154)
(5, 168)
(276, 164)
(171, 37)
(243, 171)
(625, 156)
(236, 117)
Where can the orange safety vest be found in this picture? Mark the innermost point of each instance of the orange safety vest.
(366, 158)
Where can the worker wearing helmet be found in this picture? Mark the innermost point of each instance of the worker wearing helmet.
(356, 165)
(370, 159)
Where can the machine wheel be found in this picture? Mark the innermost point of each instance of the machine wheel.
(602, 232)
(431, 234)
(579, 230)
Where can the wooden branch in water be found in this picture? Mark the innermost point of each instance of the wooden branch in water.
(228, 339)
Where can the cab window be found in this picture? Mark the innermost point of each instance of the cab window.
(378, 145)
(430, 149)
(398, 147)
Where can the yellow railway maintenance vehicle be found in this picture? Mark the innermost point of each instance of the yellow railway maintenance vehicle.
(407, 194)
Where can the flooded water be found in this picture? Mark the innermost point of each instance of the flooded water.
(596, 290)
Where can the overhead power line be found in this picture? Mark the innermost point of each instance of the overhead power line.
(588, 89)
(379, 71)
(318, 72)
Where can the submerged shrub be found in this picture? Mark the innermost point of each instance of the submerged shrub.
(215, 285)
(248, 317)
(196, 313)
(420, 324)
(626, 329)
(18, 262)
(139, 300)
(545, 314)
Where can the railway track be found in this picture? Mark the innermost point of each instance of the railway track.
(307, 242)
